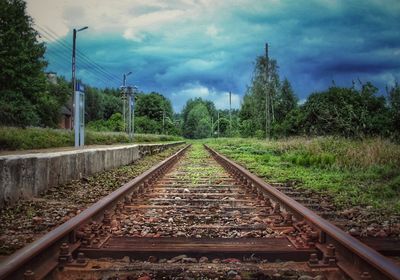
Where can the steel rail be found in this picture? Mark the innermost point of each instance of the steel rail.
(46, 248)
(361, 257)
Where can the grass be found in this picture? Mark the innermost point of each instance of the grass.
(198, 166)
(354, 172)
(12, 138)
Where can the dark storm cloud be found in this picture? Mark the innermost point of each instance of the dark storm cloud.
(213, 50)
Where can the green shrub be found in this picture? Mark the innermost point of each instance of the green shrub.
(395, 184)
(355, 172)
(265, 158)
(114, 123)
(259, 134)
(12, 138)
(305, 158)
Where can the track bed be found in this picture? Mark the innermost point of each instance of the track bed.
(199, 216)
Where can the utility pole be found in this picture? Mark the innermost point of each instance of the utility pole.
(73, 64)
(212, 126)
(230, 113)
(74, 103)
(267, 97)
(123, 108)
(124, 91)
(133, 110)
(163, 121)
(124, 100)
(130, 112)
(218, 124)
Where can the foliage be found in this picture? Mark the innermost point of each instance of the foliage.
(13, 138)
(94, 104)
(203, 127)
(21, 72)
(52, 100)
(154, 114)
(142, 138)
(16, 109)
(112, 103)
(197, 118)
(101, 104)
(150, 111)
(26, 99)
(146, 125)
(153, 105)
(356, 172)
(114, 123)
(346, 112)
(283, 100)
(394, 111)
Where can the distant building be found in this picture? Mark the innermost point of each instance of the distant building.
(52, 77)
(66, 118)
(66, 114)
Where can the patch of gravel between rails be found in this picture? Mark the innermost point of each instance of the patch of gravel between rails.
(27, 220)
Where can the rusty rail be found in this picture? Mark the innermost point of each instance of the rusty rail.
(354, 258)
(45, 251)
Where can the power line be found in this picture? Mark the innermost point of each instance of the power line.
(65, 68)
(63, 56)
(84, 60)
(83, 55)
(87, 65)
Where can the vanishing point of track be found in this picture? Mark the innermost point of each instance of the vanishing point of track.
(197, 217)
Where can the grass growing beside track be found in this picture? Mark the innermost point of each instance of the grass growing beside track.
(356, 173)
(12, 138)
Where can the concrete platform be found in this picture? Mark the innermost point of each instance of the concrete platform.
(29, 174)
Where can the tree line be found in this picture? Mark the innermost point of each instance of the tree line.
(358, 111)
(28, 98)
(355, 112)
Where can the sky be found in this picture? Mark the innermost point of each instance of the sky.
(207, 48)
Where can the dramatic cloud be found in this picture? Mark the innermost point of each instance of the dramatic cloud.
(191, 91)
(187, 48)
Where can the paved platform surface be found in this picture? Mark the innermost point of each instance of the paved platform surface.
(67, 149)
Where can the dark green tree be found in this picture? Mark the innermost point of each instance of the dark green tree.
(345, 111)
(144, 124)
(198, 123)
(153, 105)
(111, 104)
(94, 104)
(51, 102)
(253, 112)
(227, 127)
(394, 107)
(285, 101)
(189, 125)
(151, 111)
(285, 111)
(22, 79)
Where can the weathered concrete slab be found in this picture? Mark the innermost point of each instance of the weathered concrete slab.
(27, 175)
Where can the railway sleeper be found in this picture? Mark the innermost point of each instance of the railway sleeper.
(302, 243)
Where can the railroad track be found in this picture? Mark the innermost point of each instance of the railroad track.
(197, 215)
